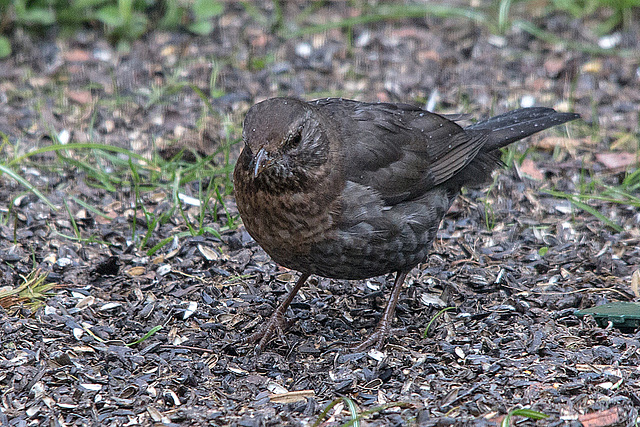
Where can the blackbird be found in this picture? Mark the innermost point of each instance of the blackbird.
(352, 190)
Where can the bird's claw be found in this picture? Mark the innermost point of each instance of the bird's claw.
(275, 324)
(375, 340)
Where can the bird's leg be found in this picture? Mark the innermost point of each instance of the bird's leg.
(384, 325)
(276, 322)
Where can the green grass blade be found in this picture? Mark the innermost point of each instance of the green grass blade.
(107, 181)
(548, 37)
(589, 209)
(90, 208)
(374, 411)
(27, 185)
(394, 12)
(166, 241)
(438, 314)
(76, 230)
(325, 411)
(147, 335)
(78, 146)
(530, 413)
(522, 412)
(353, 410)
(503, 15)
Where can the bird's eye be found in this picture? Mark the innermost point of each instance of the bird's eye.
(293, 140)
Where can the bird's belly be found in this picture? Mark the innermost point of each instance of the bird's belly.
(374, 248)
(354, 240)
(341, 255)
(372, 238)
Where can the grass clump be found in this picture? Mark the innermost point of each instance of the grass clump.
(353, 411)
(621, 12)
(126, 174)
(122, 20)
(33, 291)
(626, 193)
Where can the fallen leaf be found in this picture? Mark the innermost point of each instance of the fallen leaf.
(619, 160)
(600, 419)
(291, 396)
(102, 220)
(80, 96)
(554, 66)
(77, 55)
(428, 55)
(551, 142)
(135, 271)
(530, 168)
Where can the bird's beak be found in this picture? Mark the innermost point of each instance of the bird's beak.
(261, 161)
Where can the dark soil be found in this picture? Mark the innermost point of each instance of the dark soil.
(514, 261)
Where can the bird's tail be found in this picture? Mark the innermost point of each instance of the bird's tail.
(501, 131)
(517, 124)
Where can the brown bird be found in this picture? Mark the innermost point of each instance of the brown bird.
(352, 190)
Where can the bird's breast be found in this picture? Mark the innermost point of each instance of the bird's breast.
(288, 225)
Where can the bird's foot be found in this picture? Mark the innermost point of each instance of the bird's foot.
(376, 339)
(275, 325)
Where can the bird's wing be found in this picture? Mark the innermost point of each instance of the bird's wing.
(399, 150)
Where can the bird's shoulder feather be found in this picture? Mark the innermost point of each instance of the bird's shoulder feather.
(399, 150)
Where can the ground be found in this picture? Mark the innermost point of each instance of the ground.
(514, 261)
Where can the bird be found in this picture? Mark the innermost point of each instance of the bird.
(351, 190)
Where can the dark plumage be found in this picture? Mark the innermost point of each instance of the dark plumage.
(352, 190)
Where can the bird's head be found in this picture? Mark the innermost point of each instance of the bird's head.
(284, 142)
